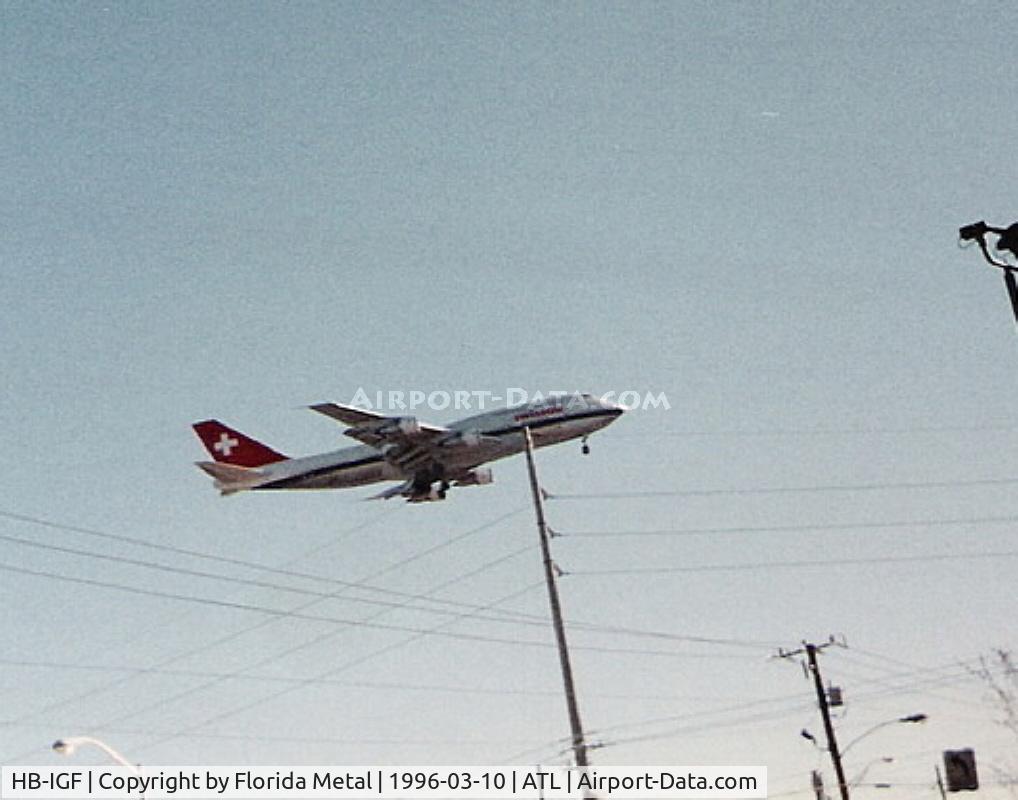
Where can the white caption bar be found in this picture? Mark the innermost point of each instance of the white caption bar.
(381, 783)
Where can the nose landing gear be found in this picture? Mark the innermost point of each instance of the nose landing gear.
(584, 447)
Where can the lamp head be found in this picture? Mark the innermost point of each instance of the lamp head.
(977, 230)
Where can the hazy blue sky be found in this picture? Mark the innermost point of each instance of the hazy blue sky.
(234, 210)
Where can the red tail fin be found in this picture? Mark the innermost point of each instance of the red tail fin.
(233, 447)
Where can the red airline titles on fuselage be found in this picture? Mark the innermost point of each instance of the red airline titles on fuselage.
(544, 412)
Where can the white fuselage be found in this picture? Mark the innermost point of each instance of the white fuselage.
(468, 444)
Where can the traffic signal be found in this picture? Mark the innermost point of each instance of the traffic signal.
(960, 770)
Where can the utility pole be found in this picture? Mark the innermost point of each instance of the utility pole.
(940, 783)
(832, 743)
(825, 712)
(818, 784)
(579, 745)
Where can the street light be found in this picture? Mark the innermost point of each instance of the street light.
(1007, 242)
(862, 773)
(67, 747)
(911, 718)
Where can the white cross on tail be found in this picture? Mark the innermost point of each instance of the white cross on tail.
(225, 445)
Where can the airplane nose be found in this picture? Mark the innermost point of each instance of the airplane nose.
(615, 408)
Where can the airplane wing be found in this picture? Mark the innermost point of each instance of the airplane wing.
(378, 430)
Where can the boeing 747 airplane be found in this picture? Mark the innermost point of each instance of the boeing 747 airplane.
(427, 459)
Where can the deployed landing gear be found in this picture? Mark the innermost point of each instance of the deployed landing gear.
(428, 494)
(584, 447)
(427, 490)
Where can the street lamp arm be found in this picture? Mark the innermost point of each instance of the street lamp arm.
(866, 733)
(857, 780)
(986, 254)
(70, 744)
(911, 718)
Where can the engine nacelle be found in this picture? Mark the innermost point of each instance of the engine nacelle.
(470, 438)
(480, 476)
(408, 426)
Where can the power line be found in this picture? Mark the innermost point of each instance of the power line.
(274, 614)
(186, 654)
(760, 716)
(277, 613)
(329, 672)
(507, 617)
(891, 667)
(285, 739)
(360, 586)
(805, 563)
(138, 541)
(753, 644)
(741, 721)
(417, 633)
(784, 705)
(888, 674)
(387, 686)
(847, 487)
(318, 595)
(824, 526)
(791, 702)
(389, 648)
(918, 686)
(776, 432)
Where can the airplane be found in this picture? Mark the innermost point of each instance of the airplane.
(427, 459)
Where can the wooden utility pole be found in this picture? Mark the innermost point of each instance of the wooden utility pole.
(579, 745)
(832, 743)
(818, 784)
(825, 712)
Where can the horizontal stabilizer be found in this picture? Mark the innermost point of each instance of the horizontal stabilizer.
(231, 478)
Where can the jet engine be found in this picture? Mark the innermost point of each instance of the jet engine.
(408, 426)
(469, 438)
(479, 476)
